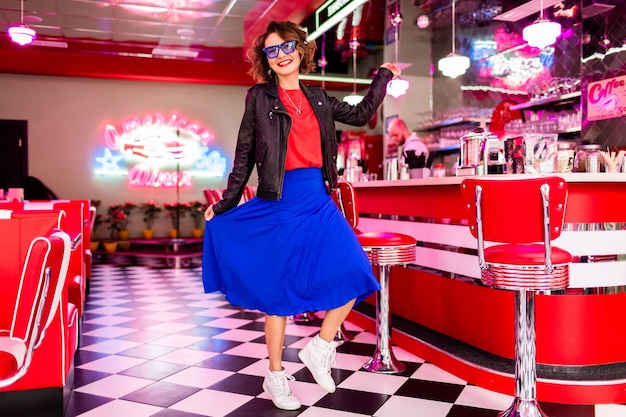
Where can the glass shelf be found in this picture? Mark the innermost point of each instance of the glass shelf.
(556, 100)
(433, 125)
(571, 130)
(443, 148)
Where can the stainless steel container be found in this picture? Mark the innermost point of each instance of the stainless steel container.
(472, 158)
(472, 146)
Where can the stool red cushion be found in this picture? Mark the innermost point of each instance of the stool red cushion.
(525, 254)
(385, 239)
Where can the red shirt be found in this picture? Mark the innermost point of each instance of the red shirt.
(304, 145)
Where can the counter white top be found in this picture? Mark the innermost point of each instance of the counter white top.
(569, 177)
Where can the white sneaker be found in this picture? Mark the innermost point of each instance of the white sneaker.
(319, 356)
(277, 387)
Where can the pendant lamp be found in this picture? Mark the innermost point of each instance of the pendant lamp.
(542, 32)
(354, 98)
(397, 86)
(323, 62)
(22, 34)
(453, 64)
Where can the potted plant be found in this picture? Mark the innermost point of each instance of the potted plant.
(128, 207)
(150, 211)
(196, 211)
(175, 211)
(117, 220)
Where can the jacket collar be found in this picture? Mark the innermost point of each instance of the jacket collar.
(272, 86)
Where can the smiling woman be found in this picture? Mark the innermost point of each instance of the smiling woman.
(311, 258)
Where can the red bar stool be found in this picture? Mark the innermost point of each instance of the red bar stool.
(520, 216)
(383, 250)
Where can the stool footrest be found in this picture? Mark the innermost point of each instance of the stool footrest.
(524, 277)
(398, 255)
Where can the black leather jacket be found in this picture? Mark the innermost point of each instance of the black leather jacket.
(262, 139)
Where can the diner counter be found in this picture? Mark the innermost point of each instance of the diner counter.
(578, 327)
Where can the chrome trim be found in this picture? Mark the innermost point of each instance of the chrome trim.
(392, 255)
(479, 226)
(547, 244)
(530, 278)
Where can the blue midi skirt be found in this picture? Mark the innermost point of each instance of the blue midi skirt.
(289, 256)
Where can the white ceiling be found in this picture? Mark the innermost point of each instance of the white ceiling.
(137, 26)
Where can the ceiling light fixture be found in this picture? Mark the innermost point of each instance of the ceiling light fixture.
(165, 52)
(542, 32)
(423, 21)
(330, 13)
(354, 98)
(397, 86)
(453, 64)
(323, 62)
(22, 34)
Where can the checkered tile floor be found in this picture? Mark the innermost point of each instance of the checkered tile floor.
(153, 344)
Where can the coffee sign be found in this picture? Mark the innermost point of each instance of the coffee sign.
(606, 99)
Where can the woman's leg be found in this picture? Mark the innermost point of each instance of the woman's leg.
(276, 382)
(333, 319)
(319, 353)
(274, 340)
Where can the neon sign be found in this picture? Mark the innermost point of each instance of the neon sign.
(152, 151)
(504, 61)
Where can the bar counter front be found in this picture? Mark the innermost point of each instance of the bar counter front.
(443, 313)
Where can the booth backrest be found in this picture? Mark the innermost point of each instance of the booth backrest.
(16, 234)
(76, 223)
(30, 285)
(53, 358)
(39, 292)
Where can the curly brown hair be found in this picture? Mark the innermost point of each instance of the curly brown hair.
(260, 69)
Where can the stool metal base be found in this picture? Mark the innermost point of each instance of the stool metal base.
(305, 317)
(384, 362)
(525, 400)
(342, 335)
(523, 408)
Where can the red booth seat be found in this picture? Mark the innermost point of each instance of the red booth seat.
(39, 291)
(76, 224)
(51, 361)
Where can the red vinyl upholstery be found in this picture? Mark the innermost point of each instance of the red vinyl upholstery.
(39, 291)
(212, 195)
(76, 225)
(512, 209)
(345, 198)
(248, 193)
(52, 360)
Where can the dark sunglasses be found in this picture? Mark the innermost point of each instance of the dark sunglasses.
(287, 47)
